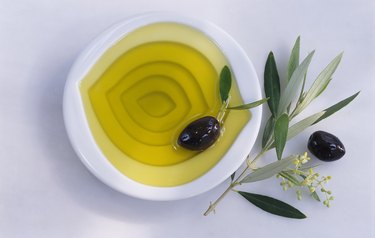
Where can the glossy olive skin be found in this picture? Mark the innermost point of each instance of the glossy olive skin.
(200, 134)
(326, 146)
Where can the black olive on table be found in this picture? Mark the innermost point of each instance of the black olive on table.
(200, 134)
(326, 146)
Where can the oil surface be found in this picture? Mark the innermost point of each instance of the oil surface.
(144, 90)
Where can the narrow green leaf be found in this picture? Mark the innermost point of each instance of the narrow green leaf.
(320, 83)
(336, 107)
(272, 205)
(288, 108)
(281, 133)
(225, 83)
(268, 130)
(324, 86)
(291, 89)
(232, 176)
(293, 59)
(269, 170)
(315, 196)
(302, 93)
(303, 124)
(249, 105)
(305, 168)
(272, 83)
(289, 177)
(317, 117)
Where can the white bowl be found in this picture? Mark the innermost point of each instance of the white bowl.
(90, 154)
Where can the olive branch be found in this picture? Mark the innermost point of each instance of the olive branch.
(280, 127)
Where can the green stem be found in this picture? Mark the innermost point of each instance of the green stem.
(235, 183)
(213, 205)
(222, 112)
(241, 175)
(264, 150)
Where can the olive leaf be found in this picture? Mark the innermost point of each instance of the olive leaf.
(322, 88)
(268, 130)
(232, 176)
(293, 59)
(303, 124)
(302, 94)
(281, 133)
(315, 196)
(300, 126)
(320, 84)
(272, 83)
(336, 107)
(225, 83)
(293, 64)
(272, 205)
(249, 105)
(269, 170)
(317, 117)
(294, 83)
(305, 168)
(290, 178)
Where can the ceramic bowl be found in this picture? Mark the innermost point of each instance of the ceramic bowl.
(91, 155)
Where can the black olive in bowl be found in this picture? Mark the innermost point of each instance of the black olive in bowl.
(326, 146)
(200, 134)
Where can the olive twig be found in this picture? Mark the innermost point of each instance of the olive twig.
(277, 132)
(223, 109)
(233, 184)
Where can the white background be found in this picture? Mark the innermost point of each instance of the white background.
(45, 191)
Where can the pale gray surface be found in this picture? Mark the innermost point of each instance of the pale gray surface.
(45, 191)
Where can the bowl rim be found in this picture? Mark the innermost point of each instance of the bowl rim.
(89, 152)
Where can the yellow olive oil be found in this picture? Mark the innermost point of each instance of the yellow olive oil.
(143, 92)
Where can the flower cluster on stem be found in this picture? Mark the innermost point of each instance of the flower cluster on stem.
(305, 177)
